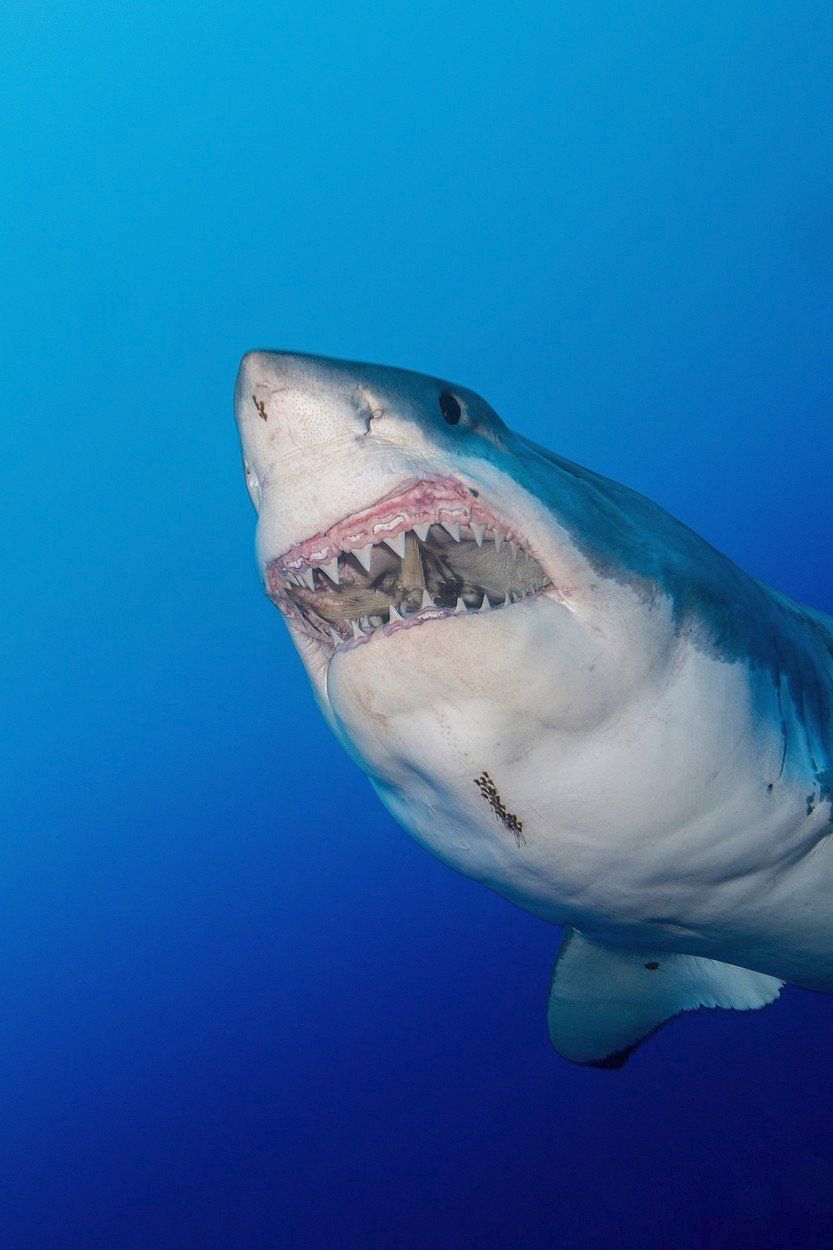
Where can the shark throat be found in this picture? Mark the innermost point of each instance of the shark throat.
(428, 552)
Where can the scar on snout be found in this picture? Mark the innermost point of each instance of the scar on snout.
(261, 407)
(490, 793)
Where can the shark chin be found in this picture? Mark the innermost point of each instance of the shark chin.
(556, 688)
(434, 704)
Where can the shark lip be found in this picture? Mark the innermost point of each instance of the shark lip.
(425, 552)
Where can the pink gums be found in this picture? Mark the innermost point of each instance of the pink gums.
(426, 502)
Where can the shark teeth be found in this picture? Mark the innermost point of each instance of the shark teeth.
(363, 630)
(397, 544)
(363, 555)
(433, 570)
(331, 569)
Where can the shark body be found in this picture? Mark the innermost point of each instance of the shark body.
(557, 688)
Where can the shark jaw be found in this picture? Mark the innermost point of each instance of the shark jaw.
(430, 550)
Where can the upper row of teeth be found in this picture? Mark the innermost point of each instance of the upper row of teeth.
(303, 577)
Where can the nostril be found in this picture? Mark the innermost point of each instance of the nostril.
(261, 407)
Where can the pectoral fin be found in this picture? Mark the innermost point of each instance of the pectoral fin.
(605, 1001)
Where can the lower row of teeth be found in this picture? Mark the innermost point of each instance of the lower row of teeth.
(369, 624)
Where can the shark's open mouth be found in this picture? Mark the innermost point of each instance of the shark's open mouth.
(428, 552)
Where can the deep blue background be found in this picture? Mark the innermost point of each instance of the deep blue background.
(238, 1007)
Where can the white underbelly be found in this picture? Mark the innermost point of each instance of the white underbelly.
(679, 824)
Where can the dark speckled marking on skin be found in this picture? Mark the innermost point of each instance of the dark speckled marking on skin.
(825, 780)
(490, 793)
(261, 407)
(652, 965)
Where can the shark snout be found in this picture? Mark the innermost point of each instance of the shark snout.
(304, 423)
(324, 439)
(289, 405)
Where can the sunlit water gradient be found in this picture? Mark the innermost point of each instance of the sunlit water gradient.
(240, 1009)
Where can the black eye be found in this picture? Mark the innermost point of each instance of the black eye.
(450, 408)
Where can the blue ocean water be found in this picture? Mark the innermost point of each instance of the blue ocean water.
(240, 1009)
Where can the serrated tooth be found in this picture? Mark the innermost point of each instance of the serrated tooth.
(460, 607)
(510, 597)
(478, 531)
(452, 528)
(485, 605)
(498, 541)
(357, 633)
(394, 615)
(366, 626)
(376, 621)
(337, 638)
(397, 544)
(362, 554)
(513, 547)
(421, 531)
(331, 570)
(427, 601)
(306, 579)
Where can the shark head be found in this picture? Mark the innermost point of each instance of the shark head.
(446, 601)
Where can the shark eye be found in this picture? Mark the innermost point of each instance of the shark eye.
(450, 408)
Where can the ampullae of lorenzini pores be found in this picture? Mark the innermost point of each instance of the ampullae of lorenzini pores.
(557, 688)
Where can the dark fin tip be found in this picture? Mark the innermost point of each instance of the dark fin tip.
(614, 1061)
(618, 1058)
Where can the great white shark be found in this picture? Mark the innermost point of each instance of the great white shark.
(556, 687)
